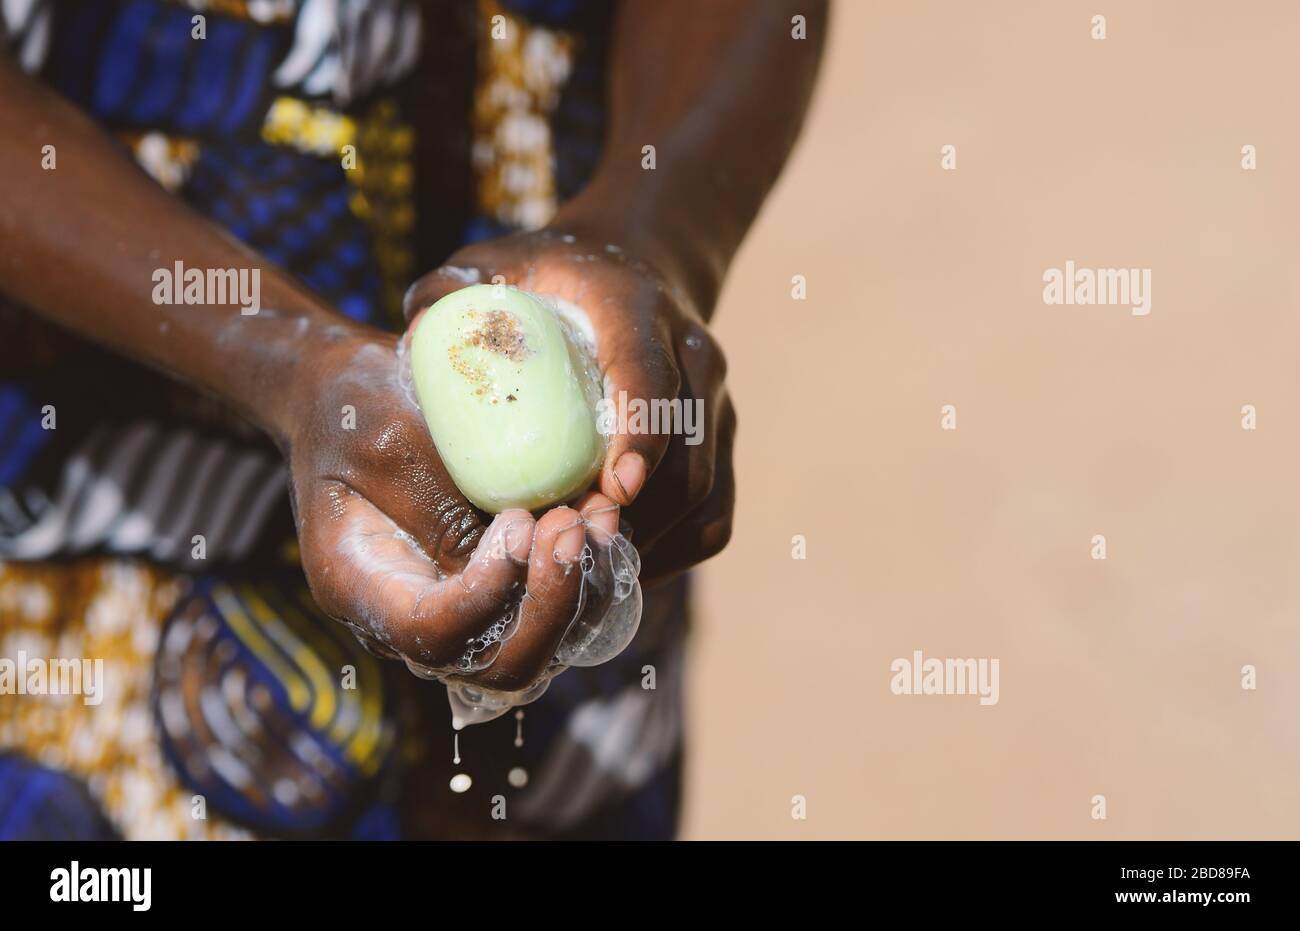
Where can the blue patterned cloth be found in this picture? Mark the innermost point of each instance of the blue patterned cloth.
(243, 713)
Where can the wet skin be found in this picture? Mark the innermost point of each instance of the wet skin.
(389, 546)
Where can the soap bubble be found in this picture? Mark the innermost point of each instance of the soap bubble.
(608, 615)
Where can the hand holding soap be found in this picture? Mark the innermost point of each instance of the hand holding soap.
(509, 393)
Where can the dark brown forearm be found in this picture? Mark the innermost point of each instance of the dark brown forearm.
(720, 90)
(82, 243)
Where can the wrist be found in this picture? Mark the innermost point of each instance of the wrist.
(649, 224)
(280, 362)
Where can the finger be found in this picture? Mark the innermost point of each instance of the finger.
(706, 530)
(639, 369)
(702, 360)
(365, 569)
(462, 606)
(685, 477)
(600, 514)
(445, 279)
(705, 404)
(549, 605)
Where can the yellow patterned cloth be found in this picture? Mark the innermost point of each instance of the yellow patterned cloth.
(112, 610)
(355, 144)
(200, 704)
(522, 70)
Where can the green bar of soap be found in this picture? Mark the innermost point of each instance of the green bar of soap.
(510, 397)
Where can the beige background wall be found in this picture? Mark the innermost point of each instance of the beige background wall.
(1119, 677)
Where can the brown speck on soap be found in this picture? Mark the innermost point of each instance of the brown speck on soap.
(499, 333)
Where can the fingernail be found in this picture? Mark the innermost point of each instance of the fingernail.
(504, 537)
(568, 544)
(603, 519)
(517, 539)
(629, 473)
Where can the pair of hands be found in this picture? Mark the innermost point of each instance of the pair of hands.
(391, 547)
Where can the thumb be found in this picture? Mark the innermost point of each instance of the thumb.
(638, 372)
(443, 281)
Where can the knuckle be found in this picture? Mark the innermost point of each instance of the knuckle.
(714, 536)
(699, 483)
(717, 358)
(699, 340)
(458, 528)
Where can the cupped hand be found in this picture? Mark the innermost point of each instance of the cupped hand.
(677, 488)
(392, 549)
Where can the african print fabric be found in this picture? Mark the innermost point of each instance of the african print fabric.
(228, 705)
